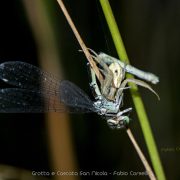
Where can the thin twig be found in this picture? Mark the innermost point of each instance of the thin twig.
(82, 44)
(141, 155)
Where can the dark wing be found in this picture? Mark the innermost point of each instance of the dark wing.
(72, 96)
(27, 76)
(42, 92)
(15, 100)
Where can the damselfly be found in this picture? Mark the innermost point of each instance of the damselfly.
(39, 91)
(109, 91)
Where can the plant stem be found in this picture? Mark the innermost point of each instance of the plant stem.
(140, 109)
(141, 155)
(81, 42)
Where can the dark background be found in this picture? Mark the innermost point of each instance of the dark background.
(151, 34)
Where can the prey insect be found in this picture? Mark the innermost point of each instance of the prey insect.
(109, 95)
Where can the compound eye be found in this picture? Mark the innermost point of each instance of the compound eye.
(126, 120)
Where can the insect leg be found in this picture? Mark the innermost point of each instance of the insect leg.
(137, 82)
(130, 69)
(94, 85)
(124, 111)
(108, 76)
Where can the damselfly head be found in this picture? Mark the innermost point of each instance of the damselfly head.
(120, 122)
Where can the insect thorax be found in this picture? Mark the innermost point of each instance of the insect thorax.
(104, 106)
